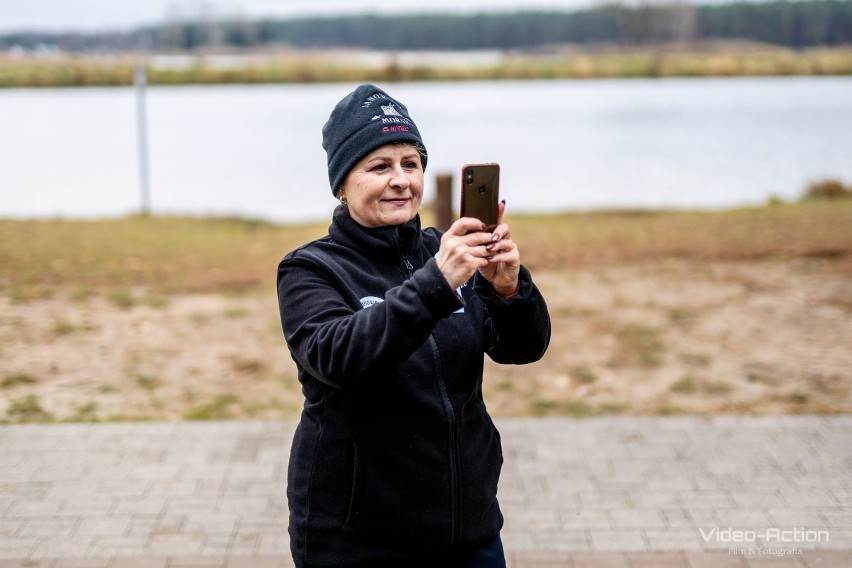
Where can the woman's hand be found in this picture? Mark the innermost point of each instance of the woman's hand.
(464, 250)
(504, 259)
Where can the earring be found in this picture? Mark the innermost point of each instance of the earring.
(342, 200)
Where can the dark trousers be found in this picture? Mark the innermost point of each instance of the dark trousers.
(487, 555)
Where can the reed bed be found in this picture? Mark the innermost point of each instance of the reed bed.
(316, 67)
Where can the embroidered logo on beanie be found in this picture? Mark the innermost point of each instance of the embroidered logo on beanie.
(361, 122)
(389, 110)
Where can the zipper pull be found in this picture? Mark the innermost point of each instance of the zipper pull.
(408, 265)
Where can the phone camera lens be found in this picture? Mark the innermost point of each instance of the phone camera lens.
(469, 177)
(481, 189)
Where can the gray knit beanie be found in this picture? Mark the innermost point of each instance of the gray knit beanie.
(364, 120)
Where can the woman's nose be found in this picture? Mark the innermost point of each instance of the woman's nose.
(400, 178)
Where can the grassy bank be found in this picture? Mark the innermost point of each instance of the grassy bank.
(743, 311)
(165, 255)
(299, 67)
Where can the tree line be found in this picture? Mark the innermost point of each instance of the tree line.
(795, 24)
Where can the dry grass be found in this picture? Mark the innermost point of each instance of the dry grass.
(138, 260)
(658, 336)
(740, 311)
(312, 67)
(134, 260)
(818, 229)
(762, 337)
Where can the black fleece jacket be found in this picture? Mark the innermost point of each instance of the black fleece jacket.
(395, 457)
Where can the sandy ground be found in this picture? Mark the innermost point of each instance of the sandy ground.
(667, 337)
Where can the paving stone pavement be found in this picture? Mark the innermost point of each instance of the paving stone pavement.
(605, 492)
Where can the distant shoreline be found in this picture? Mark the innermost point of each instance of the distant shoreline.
(307, 67)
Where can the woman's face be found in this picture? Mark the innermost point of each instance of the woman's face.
(385, 187)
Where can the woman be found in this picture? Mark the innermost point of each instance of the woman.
(395, 460)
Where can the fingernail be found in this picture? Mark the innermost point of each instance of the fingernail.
(495, 238)
(489, 247)
(483, 227)
(503, 202)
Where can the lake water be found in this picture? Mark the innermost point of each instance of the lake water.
(256, 150)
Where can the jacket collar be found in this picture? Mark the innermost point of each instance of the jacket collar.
(382, 242)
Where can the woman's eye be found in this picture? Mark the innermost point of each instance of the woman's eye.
(380, 167)
(412, 165)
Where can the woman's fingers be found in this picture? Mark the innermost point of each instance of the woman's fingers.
(465, 225)
(462, 253)
(466, 248)
(501, 232)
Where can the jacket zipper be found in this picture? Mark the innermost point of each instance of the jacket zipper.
(452, 434)
(452, 444)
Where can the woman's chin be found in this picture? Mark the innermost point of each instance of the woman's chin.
(399, 216)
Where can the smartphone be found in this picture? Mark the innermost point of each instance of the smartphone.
(480, 193)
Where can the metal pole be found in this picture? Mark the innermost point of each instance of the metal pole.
(140, 80)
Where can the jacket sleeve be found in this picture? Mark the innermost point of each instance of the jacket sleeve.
(518, 327)
(344, 347)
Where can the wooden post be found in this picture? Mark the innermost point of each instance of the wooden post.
(443, 201)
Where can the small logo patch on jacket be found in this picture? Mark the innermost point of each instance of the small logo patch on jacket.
(368, 301)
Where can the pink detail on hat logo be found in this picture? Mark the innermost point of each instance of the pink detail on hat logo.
(395, 129)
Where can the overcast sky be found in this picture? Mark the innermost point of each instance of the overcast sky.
(93, 15)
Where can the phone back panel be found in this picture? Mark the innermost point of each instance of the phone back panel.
(481, 192)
